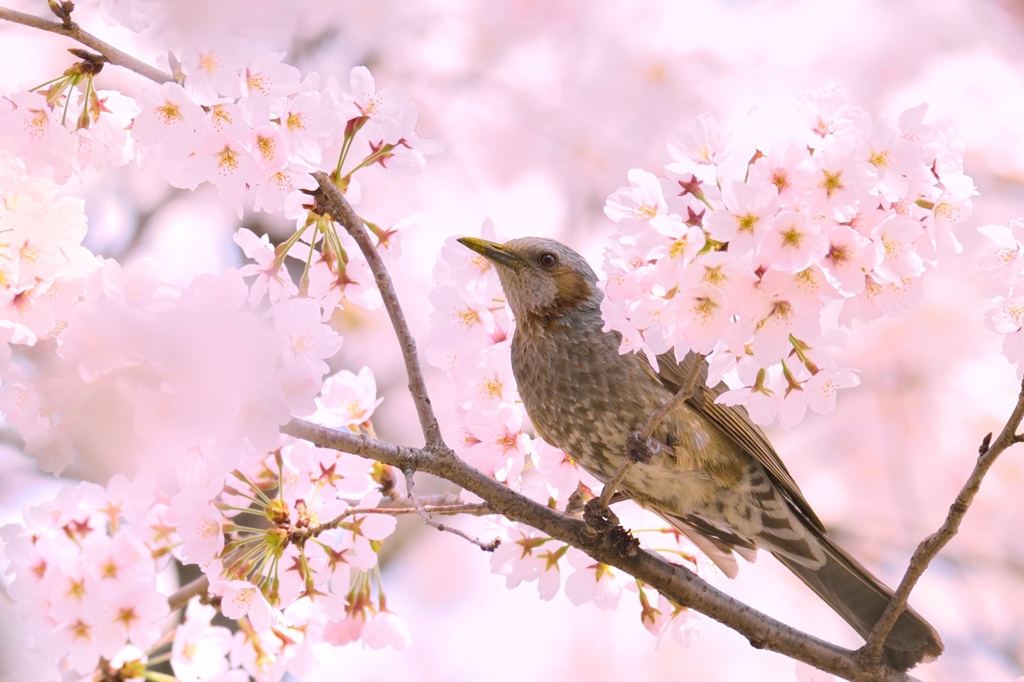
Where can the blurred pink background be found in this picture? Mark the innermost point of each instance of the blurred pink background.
(544, 106)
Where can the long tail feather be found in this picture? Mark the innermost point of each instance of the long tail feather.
(860, 598)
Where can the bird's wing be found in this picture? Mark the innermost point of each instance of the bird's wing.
(734, 422)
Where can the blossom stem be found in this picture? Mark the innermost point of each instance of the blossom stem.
(244, 479)
(800, 347)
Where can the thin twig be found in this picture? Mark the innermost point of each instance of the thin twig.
(931, 545)
(444, 499)
(676, 582)
(72, 30)
(411, 492)
(338, 207)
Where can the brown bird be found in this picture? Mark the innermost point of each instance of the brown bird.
(714, 476)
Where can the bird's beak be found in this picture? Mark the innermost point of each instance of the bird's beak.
(496, 253)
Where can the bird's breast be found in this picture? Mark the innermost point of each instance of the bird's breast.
(585, 398)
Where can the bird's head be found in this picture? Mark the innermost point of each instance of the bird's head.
(541, 277)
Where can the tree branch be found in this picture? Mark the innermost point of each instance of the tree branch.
(71, 30)
(926, 551)
(614, 549)
(181, 598)
(335, 204)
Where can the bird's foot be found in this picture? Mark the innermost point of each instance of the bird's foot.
(598, 516)
(639, 449)
(603, 528)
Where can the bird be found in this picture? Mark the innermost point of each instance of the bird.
(714, 474)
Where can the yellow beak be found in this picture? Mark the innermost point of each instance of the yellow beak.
(496, 253)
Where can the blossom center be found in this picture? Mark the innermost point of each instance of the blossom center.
(832, 183)
(210, 62)
(792, 237)
(881, 159)
(745, 223)
(780, 178)
(169, 113)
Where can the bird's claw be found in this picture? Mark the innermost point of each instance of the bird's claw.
(639, 449)
(598, 516)
(603, 527)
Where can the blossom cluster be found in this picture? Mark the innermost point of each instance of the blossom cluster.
(471, 331)
(85, 571)
(190, 386)
(193, 386)
(231, 117)
(755, 252)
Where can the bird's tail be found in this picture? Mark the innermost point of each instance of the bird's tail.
(860, 598)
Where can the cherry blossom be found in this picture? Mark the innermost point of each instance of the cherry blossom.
(527, 556)
(168, 117)
(213, 73)
(699, 152)
(348, 399)
(132, 14)
(592, 581)
(200, 649)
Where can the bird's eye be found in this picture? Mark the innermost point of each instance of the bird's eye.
(548, 260)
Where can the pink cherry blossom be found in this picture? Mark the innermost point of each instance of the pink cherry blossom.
(383, 108)
(821, 388)
(242, 599)
(200, 649)
(367, 527)
(698, 152)
(33, 132)
(213, 73)
(592, 581)
(494, 443)
(849, 256)
(132, 14)
(642, 200)
(761, 404)
(200, 529)
(272, 277)
(385, 629)
(273, 190)
(896, 236)
(747, 218)
(793, 243)
(305, 337)
(307, 124)
(168, 117)
(561, 475)
(781, 169)
(527, 556)
(265, 76)
(348, 399)
(1003, 258)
